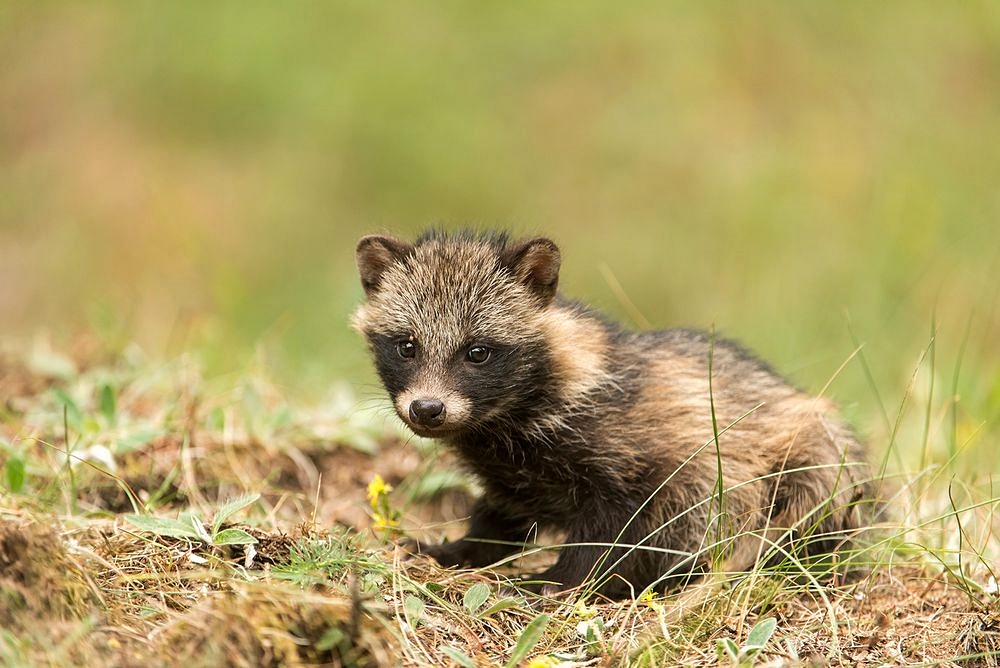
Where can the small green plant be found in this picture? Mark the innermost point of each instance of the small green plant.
(189, 526)
(333, 558)
(590, 627)
(758, 637)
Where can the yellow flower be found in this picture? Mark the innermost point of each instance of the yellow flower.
(382, 523)
(543, 662)
(385, 518)
(650, 600)
(377, 489)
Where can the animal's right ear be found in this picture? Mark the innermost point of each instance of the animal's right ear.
(375, 254)
(535, 263)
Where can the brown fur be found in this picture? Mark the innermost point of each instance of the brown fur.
(603, 434)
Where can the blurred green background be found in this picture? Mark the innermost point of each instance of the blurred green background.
(195, 175)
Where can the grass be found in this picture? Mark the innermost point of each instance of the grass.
(314, 496)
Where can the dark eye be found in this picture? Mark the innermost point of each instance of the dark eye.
(407, 349)
(478, 354)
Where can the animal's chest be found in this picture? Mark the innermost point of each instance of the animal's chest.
(539, 483)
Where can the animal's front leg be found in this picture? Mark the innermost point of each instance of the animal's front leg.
(600, 556)
(492, 536)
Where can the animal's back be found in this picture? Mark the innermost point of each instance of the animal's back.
(789, 465)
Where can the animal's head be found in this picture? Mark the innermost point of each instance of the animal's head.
(458, 324)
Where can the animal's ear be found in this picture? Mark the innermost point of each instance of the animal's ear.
(535, 263)
(375, 254)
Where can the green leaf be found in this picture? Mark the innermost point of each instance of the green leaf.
(457, 656)
(529, 638)
(725, 648)
(475, 597)
(14, 474)
(163, 526)
(502, 604)
(190, 519)
(231, 507)
(761, 632)
(233, 537)
(414, 607)
(108, 404)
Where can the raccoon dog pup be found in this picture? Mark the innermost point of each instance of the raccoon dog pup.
(574, 424)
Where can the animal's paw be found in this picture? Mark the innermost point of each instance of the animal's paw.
(455, 553)
(411, 548)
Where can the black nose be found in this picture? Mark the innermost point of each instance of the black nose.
(427, 412)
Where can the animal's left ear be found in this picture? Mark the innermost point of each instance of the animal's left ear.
(535, 263)
(375, 254)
